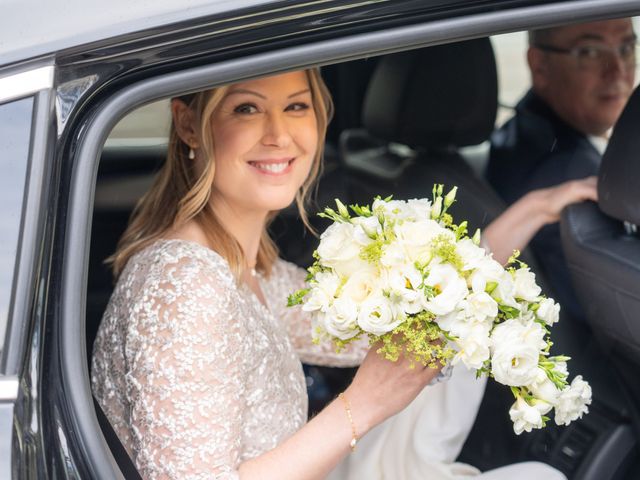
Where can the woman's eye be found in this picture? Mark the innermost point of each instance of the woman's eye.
(246, 108)
(297, 107)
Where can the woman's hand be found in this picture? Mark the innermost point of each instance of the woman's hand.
(555, 199)
(382, 388)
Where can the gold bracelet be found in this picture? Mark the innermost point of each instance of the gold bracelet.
(347, 407)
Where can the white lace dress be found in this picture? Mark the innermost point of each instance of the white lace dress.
(195, 374)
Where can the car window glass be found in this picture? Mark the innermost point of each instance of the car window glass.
(15, 131)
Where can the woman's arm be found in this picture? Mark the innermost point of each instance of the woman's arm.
(379, 390)
(521, 221)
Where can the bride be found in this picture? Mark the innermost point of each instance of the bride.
(196, 363)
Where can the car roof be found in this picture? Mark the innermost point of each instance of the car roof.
(62, 24)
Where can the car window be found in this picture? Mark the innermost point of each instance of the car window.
(15, 130)
(513, 73)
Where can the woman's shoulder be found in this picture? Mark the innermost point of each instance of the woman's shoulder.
(177, 260)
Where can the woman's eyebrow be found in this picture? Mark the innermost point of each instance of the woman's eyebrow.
(245, 91)
(306, 90)
(252, 92)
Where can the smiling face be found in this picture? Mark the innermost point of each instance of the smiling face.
(588, 97)
(265, 137)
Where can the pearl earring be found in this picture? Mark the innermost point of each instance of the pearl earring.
(192, 154)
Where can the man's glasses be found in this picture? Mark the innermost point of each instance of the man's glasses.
(596, 56)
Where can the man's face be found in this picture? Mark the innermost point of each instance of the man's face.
(588, 95)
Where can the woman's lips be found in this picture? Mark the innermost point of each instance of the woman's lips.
(280, 166)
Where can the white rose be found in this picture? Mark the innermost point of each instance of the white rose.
(450, 288)
(322, 293)
(341, 319)
(573, 401)
(359, 286)
(544, 389)
(339, 249)
(525, 285)
(415, 237)
(376, 316)
(515, 364)
(526, 417)
(548, 311)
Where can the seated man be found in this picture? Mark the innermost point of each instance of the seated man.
(582, 76)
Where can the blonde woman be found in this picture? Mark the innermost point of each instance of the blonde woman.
(197, 360)
(196, 363)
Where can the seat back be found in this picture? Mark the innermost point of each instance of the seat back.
(602, 245)
(434, 101)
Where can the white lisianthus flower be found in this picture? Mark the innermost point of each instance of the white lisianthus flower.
(514, 331)
(369, 225)
(454, 322)
(544, 389)
(573, 401)
(341, 319)
(480, 306)
(420, 208)
(526, 417)
(340, 250)
(548, 311)
(451, 289)
(525, 285)
(394, 256)
(486, 270)
(515, 364)
(376, 315)
(474, 346)
(505, 291)
(403, 286)
(471, 254)
(322, 293)
(393, 208)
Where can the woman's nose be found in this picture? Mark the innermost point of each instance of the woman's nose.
(276, 131)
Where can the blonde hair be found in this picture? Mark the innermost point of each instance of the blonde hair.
(180, 193)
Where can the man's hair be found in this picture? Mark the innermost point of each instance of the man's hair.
(541, 36)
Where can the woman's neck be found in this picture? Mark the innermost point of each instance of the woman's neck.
(246, 229)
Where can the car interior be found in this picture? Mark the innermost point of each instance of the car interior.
(403, 122)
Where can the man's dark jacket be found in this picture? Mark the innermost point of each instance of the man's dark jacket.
(536, 149)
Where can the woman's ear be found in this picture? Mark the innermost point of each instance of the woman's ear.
(184, 121)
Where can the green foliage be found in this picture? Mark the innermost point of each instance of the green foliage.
(297, 297)
(444, 248)
(419, 338)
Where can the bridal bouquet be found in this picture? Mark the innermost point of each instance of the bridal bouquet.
(404, 274)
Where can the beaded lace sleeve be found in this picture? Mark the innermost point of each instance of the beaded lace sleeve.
(185, 376)
(287, 278)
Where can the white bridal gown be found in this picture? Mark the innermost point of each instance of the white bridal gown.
(196, 376)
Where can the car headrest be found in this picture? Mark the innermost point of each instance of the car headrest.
(435, 97)
(618, 194)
